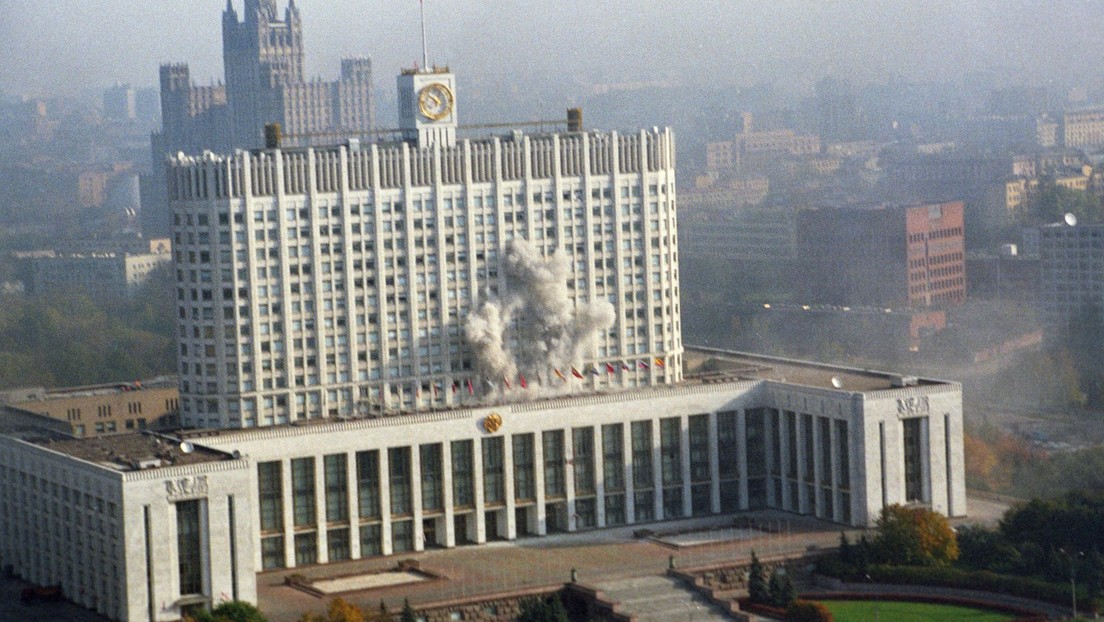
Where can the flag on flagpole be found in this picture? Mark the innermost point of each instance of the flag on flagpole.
(521, 380)
(642, 364)
(575, 372)
(506, 381)
(594, 370)
(471, 389)
(455, 387)
(559, 374)
(659, 362)
(609, 369)
(625, 366)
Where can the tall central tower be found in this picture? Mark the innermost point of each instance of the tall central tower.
(427, 106)
(261, 55)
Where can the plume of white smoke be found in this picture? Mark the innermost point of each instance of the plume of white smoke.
(536, 309)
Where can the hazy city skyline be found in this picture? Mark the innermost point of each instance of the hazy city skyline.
(63, 47)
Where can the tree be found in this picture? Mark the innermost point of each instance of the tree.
(914, 536)
(549, 609)
(808, 611)
(782, 591)
(232, 611)
(408, 614)
(757, 582)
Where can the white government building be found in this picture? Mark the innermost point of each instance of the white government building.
(327, 346)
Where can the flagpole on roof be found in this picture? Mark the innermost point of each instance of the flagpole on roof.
(425, 45)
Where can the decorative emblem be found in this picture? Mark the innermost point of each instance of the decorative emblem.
(435, 101)
(186, 487)
(912, 407)
(492, 422)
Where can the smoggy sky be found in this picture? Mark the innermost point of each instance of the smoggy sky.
(52, 47)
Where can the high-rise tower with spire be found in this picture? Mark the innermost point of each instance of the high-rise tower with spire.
(264, 83)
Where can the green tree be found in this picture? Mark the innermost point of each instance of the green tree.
(549, 609)
(781, 589)
(1051, 202)
(757, 582)
(408, 614)
(914, 536)
(232, 611)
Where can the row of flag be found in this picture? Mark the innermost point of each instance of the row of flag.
(592, 369)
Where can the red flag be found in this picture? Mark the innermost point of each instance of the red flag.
(471, 389)
(455, 387)
(434, 390)
(609, 369)
(521, 378)
(575, 372)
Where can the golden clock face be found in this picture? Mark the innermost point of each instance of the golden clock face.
(435, 101)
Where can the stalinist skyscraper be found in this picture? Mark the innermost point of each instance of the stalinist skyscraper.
(263, 61)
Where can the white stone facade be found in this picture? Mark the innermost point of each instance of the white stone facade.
(710, 449)
(109, 537)
(335, 282)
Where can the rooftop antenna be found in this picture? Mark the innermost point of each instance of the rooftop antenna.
(425, 46)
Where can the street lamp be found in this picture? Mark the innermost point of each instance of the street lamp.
(1073, 578)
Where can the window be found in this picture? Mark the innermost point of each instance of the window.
(524, 485)
(272, 552)
(337, 542)
(463, 486)
(188, 546)
(432, 478)
(494, 482)
(270, 491)
(399, 476)
(368, 484)
(669, 452)
(306, 548)
(337, 488)
(302, 492)
(553, 445)
(582, 443)
(643, 476)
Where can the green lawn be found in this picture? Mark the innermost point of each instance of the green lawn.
(901, 611)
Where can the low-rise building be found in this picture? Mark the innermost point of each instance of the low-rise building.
(141, 526)
(99, 409)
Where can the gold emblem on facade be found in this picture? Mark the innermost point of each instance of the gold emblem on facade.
(492, 422)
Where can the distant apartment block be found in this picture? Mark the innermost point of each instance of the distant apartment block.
(756, 146)
(1083, 128)
(1071, 276)
(95, 410)
(97, 273)
(888, 256)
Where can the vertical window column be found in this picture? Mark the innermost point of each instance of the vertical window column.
(354, 505)
(305, 509)
(645, 463)
(715, 464)
(697, 466)
(271, 514)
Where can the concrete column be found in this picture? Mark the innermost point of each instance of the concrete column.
(446, 484)
(289, 515)
(320, 509)
(599, 478)
(569, 477)
(385, 501)
(538, 483)
(714, 466)
(769, 440)
(834, 476)
(627, 462)
(684, 464)
(477, 483)
(818, 469)
(657, 471)
(353, 491)
(416, 495)
(508, 486)
(742, 449)
(925, 460)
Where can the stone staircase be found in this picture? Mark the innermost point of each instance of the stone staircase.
(660, 599)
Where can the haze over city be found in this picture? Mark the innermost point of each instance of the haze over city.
(63, 46)
(684, 307)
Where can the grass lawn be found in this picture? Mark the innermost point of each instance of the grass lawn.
(902, 611)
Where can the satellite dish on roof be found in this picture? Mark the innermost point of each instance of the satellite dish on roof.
(836, 382)
(1070, 218)
(186, 447)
